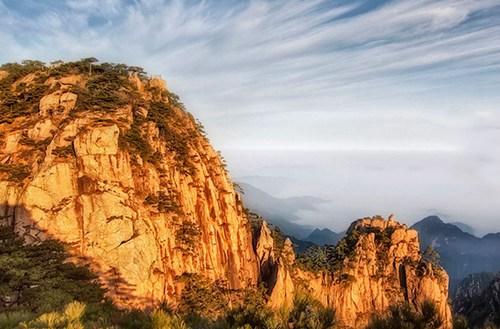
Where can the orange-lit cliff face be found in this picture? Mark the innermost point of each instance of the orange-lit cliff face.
(383, 268)
(114, 166)
(105, 181)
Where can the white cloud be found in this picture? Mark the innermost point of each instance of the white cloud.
(406, 75)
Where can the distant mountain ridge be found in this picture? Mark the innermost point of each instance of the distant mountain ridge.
(461, 253)
(464, 227)
(469, 289)
(279, 212)
(478, 299)
(323, 237)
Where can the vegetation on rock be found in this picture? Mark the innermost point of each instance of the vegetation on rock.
(406, 316)
(39, 278)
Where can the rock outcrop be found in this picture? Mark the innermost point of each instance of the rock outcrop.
(383, 267)
(115, 167)
(140, 222)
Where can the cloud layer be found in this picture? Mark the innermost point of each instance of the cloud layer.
(375, 76)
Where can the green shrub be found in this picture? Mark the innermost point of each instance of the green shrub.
(201, 297)
(431, 256)
(40, 277)
(21, 102)
(36, 145)
(64, 151)
(308, 313)
(133, 141)
(329, 258)
(163, 320)
(11, 320)
(164, 116)
(406, 316)
(187, 235)
(163, 202)
(70, 318)
(104, 91)
(16, 173)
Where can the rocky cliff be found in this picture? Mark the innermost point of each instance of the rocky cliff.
(107, 160)
(377, 265)
(115, 167)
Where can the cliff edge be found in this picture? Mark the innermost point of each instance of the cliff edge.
(377, 265)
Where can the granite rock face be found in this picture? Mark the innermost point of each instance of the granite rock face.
(384, 268)
(129, 217)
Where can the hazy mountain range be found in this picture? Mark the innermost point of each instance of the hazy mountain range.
(461, 253)
(478, 298)
(280, 212)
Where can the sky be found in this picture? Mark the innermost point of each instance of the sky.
(377, 106)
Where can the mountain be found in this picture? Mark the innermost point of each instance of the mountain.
(300, 246)
(324, 236)
(279, 212)
(482, 306)
(464, 227)
(461, 253)
(108, 161)
(469, 289)
(274, 185)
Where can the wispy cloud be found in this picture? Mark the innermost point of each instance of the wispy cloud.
(341, 75)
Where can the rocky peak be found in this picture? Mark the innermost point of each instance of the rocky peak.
(432, 220)
(376, 265)
(111, 163)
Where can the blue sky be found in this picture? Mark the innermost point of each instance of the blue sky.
(381, 79)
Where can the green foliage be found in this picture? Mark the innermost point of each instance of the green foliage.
(346, 248)
(314, 259)
(431, 256)
(17, 70)
(134, 141)
(308, 313)
(187, 235)
(163, 320)
(460, 322)
(329, 258)
(250, 309)
(279, 241)
(69, 318)
(202, 297)
(23, 100)
(164, 202)
(89, 66)
(16, 173)
(175, 137)
(64, 151)
(106, 90)
(407, 317)
(35, 145)
(11, 320)
(164, 116)
(39, 279)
